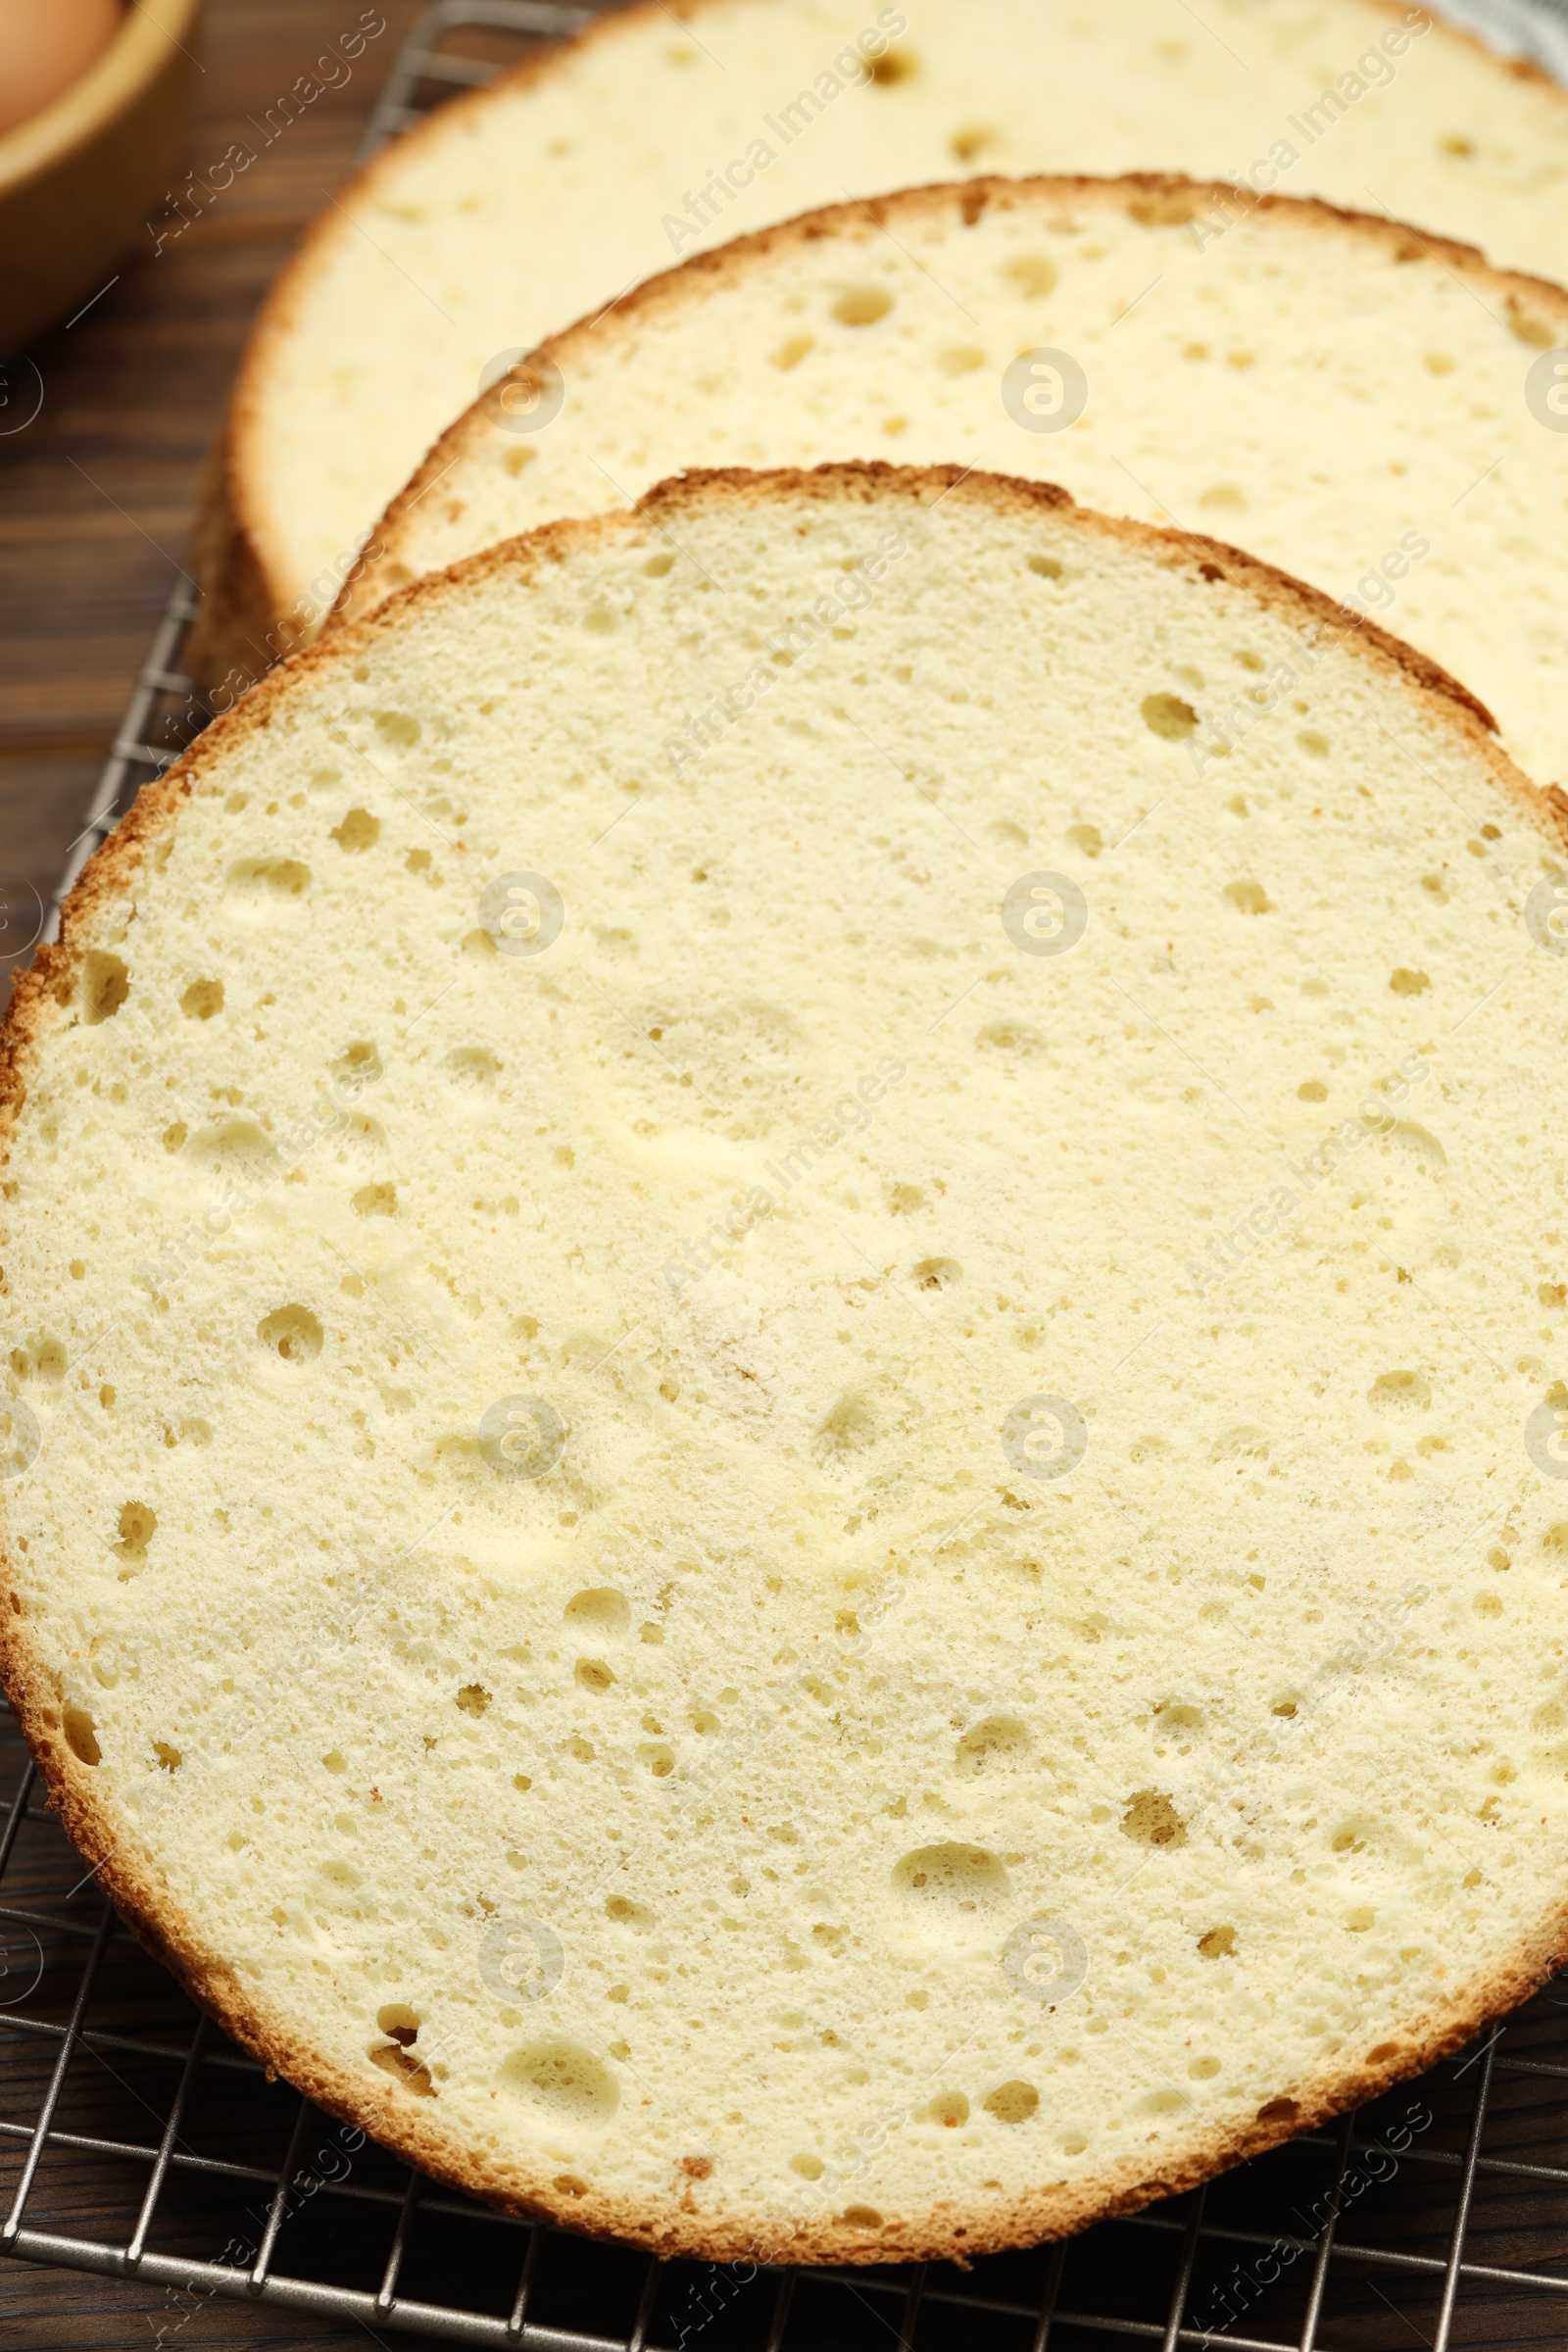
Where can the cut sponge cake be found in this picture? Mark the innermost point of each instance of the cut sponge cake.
(1367, 409)
(539, 200)
(785, 1461)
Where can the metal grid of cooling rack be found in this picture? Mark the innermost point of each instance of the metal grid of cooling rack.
(165, 712)
(137, 2144)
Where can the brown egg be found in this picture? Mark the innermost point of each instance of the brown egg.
(45, 45)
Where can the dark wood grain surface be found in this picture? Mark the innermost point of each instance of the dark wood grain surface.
(96, 501)
(96, 496)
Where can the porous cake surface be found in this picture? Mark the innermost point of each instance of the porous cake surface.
(784, 1450)
(1367, 409)
(541, 200)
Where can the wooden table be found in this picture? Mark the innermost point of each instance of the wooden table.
(96, 496)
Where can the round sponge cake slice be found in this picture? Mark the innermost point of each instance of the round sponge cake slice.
(784, 1451)
(1362, 406)
(524, 206)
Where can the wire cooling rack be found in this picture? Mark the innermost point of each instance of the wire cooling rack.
(136, 2143)
(454, 45)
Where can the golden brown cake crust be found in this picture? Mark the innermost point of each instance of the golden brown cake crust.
(1164, 197)
(244, 598)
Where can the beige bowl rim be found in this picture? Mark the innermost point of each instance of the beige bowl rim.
(134, 57)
